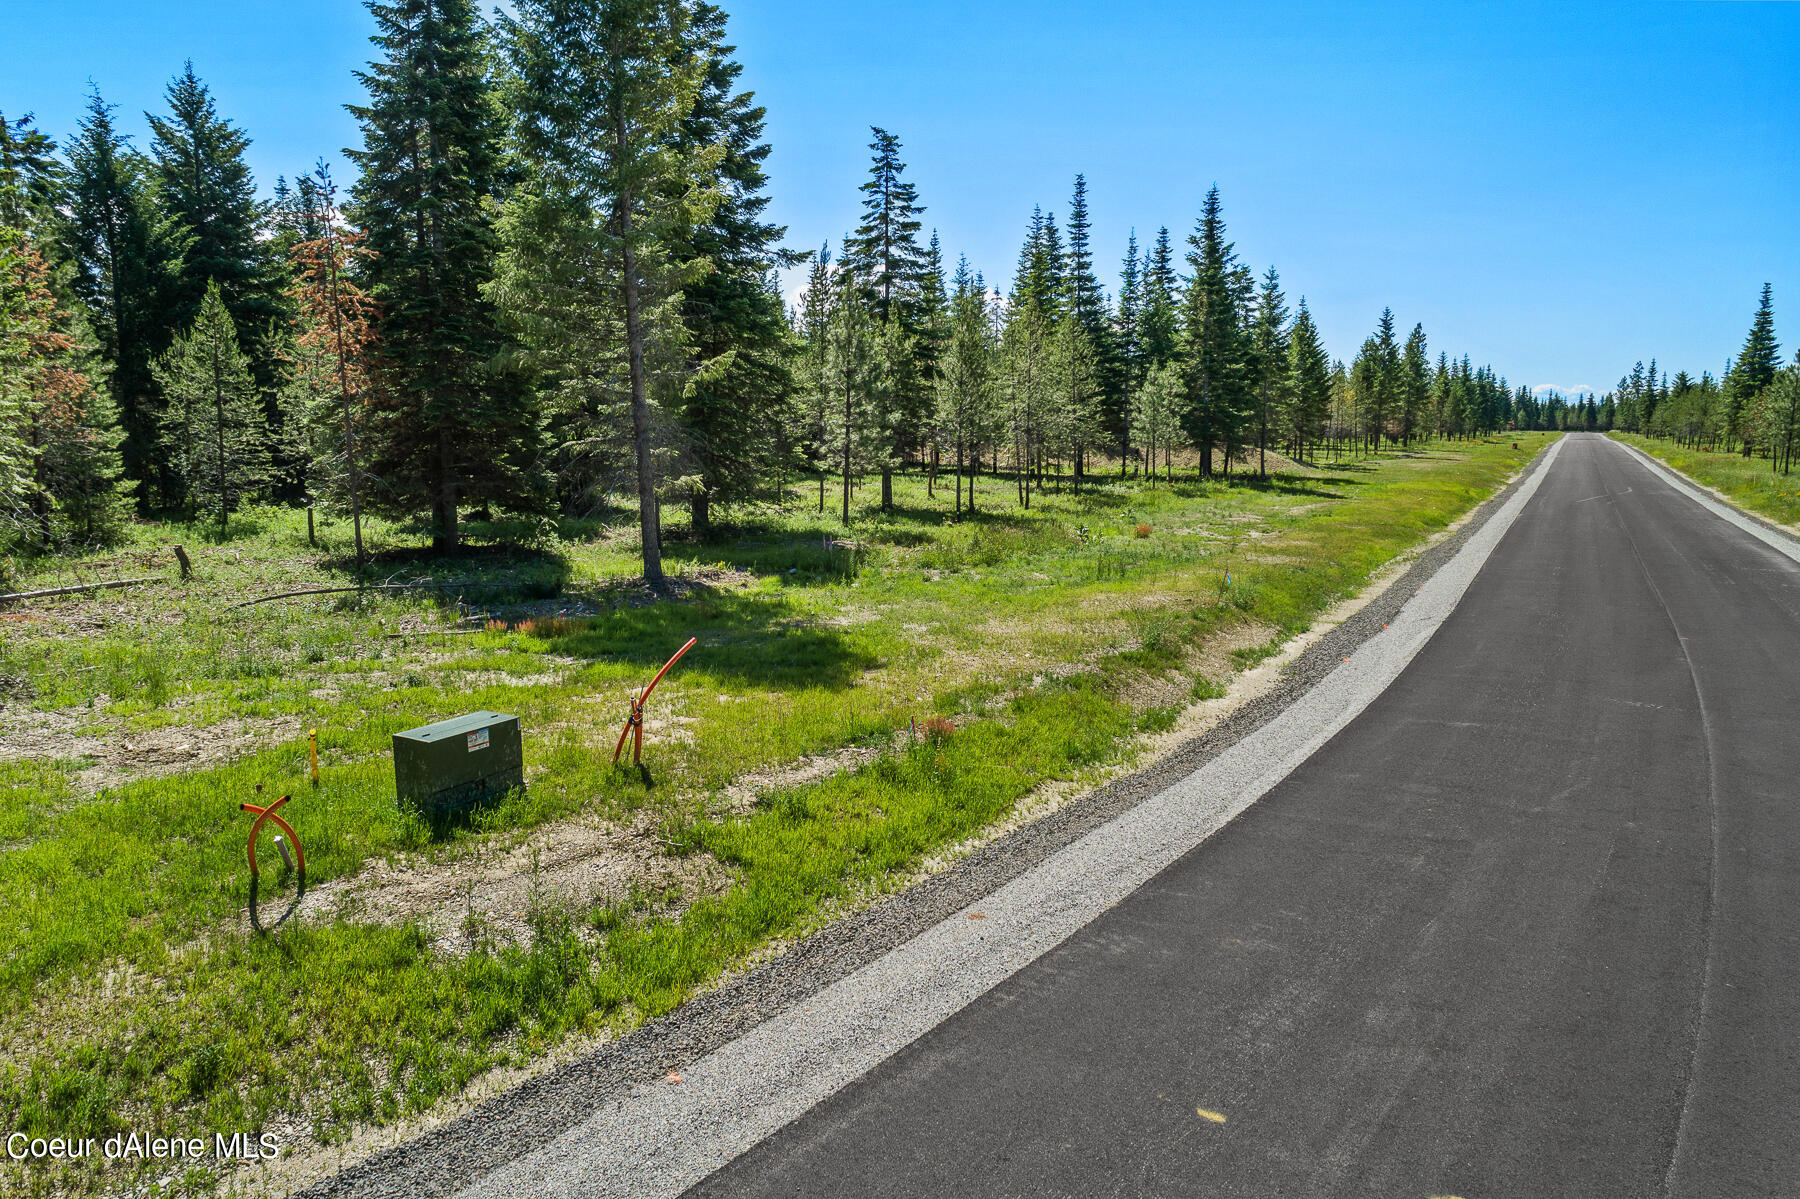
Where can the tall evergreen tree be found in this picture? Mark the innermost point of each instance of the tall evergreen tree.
(205, 185)
(336, 342)
(455, 426)
(733, 410)
(1214, 344)
(31, 182)
(1383, 395)
(213, 430)
(885, 253)
(59, 462)
(966, 383)
(1269, 358)
(1415, 384)
(854, 361)
(1162, 310)
(603, 89)
(1309, 368)
(813, 324)
(127, 254)
(1752, 371)
(885, 256)
(1128, 325)
(1087, 307)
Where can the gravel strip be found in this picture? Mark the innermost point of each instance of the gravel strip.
(561, 1102)
(1775, 536)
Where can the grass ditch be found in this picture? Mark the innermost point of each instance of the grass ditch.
(1750, 483)
(131, 994)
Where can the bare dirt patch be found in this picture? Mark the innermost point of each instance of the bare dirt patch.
(493, 892)
(107, 753)
(744, 792)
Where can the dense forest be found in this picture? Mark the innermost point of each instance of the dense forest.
(551, 288)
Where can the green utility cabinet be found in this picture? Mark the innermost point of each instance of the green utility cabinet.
(459, 762)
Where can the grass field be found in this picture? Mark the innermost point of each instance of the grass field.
(1749, 482)
(847, 715)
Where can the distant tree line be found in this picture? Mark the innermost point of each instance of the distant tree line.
(551, 287)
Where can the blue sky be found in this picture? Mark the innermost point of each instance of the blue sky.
(1557, 189)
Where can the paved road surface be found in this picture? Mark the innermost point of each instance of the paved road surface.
(1525, 927)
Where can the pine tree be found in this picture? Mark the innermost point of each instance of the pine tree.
(1369, 390)
(1157, 424)
(1781, 417)
(1309, 368)
(1214, 344)
(1269, 356)
(733, 411)
(965, 414)
(603, 88)
(19, 320)
(1078, 423)
(885, 257)
(214, 430)
(1027, 345)
(932, 342)
(205, 186)
(884, 254)
(127, 254)
(59, 461)
(1383, 398)
(1128, 342)
(1162, 311)
(31, 179)
(813, 321)
(336, 340)
(1752, 371)
(854, 362)
(1415, 384)
(1087, 307)
(455, 427)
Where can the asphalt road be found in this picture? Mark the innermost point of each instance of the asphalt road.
(1525, 927)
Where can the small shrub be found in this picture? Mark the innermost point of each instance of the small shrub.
(1142, 531)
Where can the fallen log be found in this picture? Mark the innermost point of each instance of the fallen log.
(48, 591)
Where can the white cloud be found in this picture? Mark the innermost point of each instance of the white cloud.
(1549, 389)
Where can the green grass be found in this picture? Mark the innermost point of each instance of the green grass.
(1751, 483)
(132, 991)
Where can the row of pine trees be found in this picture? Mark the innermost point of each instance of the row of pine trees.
(552, 285)
(1753, 407)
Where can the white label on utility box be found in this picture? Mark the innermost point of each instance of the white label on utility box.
(478, 740)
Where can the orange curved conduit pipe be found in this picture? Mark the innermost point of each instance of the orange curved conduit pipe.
(268, 813)
(634, 724)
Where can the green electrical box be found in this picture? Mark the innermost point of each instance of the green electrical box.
(458, 762)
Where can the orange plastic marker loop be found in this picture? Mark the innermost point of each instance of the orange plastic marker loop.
(268, 813)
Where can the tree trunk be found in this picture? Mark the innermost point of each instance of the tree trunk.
(959, 475)
(847, 414)
(640, 402)
(699, 512)
(446, 536)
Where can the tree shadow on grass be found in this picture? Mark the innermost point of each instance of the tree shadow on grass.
(487, 574)
(758, 640)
